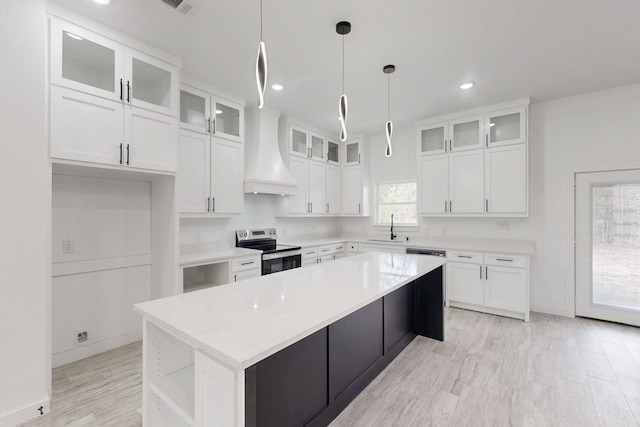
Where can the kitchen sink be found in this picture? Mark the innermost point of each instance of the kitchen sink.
(385, 241)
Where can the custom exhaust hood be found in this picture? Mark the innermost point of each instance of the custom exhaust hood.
(264, 169)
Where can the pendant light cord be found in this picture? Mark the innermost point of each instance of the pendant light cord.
(260, 20)
(342, 62)
(388, 96)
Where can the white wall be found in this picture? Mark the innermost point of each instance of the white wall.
(95, 286)
(24, 218)
(565, 135)
(259, 212)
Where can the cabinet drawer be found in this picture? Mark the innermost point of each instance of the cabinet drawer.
(337, 249)
(506, 260)
(308, 253)
(324, 250)
(245, 264)
(469, 257)
(246, 275)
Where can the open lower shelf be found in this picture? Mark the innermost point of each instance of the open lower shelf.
(177, 391)
(191, 287)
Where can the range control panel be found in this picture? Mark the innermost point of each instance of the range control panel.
(264, 233)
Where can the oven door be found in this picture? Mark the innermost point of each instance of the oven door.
(274, 263)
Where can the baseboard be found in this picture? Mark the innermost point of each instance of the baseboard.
(556, 311)
(27, 413)
(92, 349)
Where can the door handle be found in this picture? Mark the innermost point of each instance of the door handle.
(450, 211)
(120, 153)
(486, 205)
(208, 204)
(209, 125)
(480, 272)
(128, 91)
(121, 90)
(486, 273)
(213, 204)
(128, 154)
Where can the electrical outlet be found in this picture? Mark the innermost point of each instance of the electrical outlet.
(196, 237)
(68, 246)
(502, 225)
(83, 337)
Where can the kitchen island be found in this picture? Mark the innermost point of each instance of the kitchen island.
(285, 349)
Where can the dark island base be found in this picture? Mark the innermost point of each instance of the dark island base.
(313, 380)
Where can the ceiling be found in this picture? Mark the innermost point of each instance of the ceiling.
(510, 49)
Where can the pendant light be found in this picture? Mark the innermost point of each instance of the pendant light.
(261, 66)
(343, 28)
(388, 127)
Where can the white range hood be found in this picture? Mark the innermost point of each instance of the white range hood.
(264, 169)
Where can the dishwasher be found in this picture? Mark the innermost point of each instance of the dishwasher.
(432, 252)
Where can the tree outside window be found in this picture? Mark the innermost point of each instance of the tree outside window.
(399, 199)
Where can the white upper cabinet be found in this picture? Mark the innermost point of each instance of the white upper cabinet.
(506, 127)
(352, 200)
(475, 165)
(433, 175)
(466, 133)
(227, 177)
(87, 62)
(333, 189)
(352, 152)
(466, 182)
(333, 151)
(298, 141)
(111, 104)
(193, 178)
(317, 188)
(317, 147)
(506, 179)
(228, 121)
(201, 111)
(299, 168)
(433, 139)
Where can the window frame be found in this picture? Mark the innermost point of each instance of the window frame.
(382, 225)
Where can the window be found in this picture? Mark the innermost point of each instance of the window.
(399, 199)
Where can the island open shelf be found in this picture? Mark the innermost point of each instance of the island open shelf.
(293, 348)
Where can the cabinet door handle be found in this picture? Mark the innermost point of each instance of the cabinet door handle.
(209, 125)
(450, 210)
(235, 277)
(450, 145)
(480, 272)
(128, 91)
(208, 204)
(120, 153)
(445, 145)
(128, 154)
(486, 139)
(464, 256)
(504, 259)
(445, 206)
(327, 207)
(358, 207)
(486, 273)
(359, 159)
(486, 205)
(213, 204)
(247, 263)
(213, 122)
(121, 90)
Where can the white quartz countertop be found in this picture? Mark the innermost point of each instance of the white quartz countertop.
(211, 256)
(514, 246)
(242, 323)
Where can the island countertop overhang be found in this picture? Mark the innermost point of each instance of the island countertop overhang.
(242, 323)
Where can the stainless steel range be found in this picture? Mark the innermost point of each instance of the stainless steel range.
(275, 257)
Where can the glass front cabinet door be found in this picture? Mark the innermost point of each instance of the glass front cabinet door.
(433, 139)
(298, 141)
(86, 62)
(333, 151)
(352, 152)
(318, 147)
(227, 119)
(506, 127)
(466, 133)
(195, 109)
(150, 83)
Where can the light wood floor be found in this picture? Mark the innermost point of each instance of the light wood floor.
(490, 371)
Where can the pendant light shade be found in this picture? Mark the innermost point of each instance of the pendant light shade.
(388, 127)
(261, 66)
(261, 73)
(343, 28)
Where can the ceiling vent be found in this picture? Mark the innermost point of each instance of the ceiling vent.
(185, 7)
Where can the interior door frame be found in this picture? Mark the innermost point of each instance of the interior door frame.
(570, 220)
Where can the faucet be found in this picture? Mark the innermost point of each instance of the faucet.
(393, 235)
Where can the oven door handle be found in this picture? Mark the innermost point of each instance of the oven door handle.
(278, 255)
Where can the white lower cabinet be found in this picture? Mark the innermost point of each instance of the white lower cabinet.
(365, 247)
(210, 176)
(198, 276)
(489, 282)
(324, 253)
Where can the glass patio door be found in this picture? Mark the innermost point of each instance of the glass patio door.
(607, 255)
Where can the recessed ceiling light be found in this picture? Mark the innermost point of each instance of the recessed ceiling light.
(218, 112)
(492, 124)
(102, 2)
(466, 85)
(73, 36)
(277, 86)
